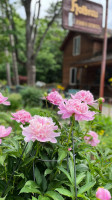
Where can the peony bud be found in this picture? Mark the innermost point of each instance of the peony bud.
(103, 194)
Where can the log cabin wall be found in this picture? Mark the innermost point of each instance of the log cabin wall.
(87, 49)
(97, 47)
(110, 45)
(87, 64)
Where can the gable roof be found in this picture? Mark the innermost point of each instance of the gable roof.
(92, 36)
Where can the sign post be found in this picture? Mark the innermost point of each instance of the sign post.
(103, 66)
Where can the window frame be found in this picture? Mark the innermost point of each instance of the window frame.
(75, 82)
(74, 39)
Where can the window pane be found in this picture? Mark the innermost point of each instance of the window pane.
(76, 47)
(73, 75)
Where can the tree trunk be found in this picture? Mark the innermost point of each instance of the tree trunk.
(30, 64)
(8, 70)
(12, 42)
(14, 60)
(31, 31)
(31, 73)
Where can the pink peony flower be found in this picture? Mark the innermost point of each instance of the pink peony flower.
(55, 98)
(21, 116)
(4, 132)
(84, 96)
(69, 149)
(53, 90)
(93, 139)
(3, 100)
(41, 129)
(103, 194)
(80, 110)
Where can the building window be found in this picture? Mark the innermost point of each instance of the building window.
(76, 45)
(73, 76)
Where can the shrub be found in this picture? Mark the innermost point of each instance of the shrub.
(31, 96)
(15, 100)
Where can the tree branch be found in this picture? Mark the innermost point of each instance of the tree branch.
(27, 6)
(15, 37)
(34, 16)
(35, 29)
(45, 32)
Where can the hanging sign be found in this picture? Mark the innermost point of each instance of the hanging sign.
(82, 16)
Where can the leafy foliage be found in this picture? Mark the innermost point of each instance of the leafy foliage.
(31, 96)
(15, 100)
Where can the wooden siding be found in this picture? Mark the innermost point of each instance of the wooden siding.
(88, 48)
(97, 47)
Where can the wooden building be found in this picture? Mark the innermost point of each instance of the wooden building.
(82, 56)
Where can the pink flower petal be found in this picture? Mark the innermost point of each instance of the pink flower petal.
(41, 129)
(3, 100)
(54, 97)
(5, 131)
(93, 139)
(21, 116)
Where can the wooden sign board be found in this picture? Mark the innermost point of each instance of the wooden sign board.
(82, 16)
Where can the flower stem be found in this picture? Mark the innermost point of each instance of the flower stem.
(46, 104)
(6, 172)
(74, 167)
(70, 133)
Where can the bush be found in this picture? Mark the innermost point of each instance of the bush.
(5, 119)
(15, 100)
(32, 96)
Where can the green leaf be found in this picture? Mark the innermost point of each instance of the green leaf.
(44, 183)
(64, 192)
(28, 160)
(47, 171)
(42, 198)
(71, 167)
(54, 195)
(15, 143)
(38, 176)
(45, 157)
(80, 177)
(86, 187)
(82, 167)
(30, 187)
(108, 186)
(2, 159)
(66, 173)
(3, 198)
(29, 147)
(20, 175)
(33, 198)
(56, 122)
(83, 196)
(61, 154)
(94, 109)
